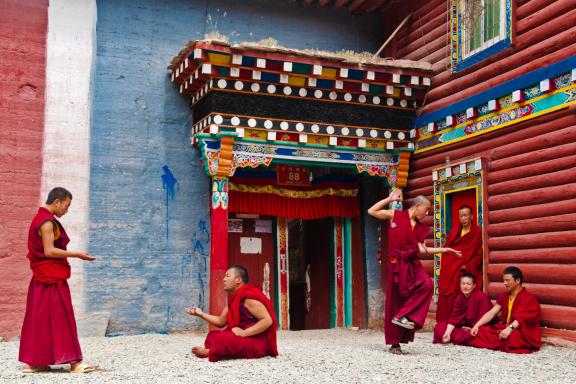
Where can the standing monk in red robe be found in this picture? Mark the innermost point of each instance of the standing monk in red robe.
(409, 289)
(249, 319)
(466, 238)
(519, 328)
(469, 307)
(49, 335)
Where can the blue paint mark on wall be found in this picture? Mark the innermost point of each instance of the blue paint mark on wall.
(169, 184)
(140, 124)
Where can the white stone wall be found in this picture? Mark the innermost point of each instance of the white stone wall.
(66, 152)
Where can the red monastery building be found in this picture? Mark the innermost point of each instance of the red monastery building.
(498, 132)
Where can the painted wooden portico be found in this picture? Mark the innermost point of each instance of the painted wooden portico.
(270, 111)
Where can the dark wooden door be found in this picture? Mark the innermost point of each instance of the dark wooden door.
(318, 236)
(251, 244)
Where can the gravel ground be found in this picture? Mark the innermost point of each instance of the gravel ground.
(311, 357)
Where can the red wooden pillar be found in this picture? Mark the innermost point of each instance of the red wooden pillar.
(219, 224)
(218, 243)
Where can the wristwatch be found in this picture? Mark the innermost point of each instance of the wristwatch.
(511, 326)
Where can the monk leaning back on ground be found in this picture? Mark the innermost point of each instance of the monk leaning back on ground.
(469, 307)
(466, 238)
(249, 319)
(409, 288)
(49, 335)
(519, 328)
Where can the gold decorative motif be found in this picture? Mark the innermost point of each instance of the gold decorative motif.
(271, 189)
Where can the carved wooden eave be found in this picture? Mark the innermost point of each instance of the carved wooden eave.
(279, 104)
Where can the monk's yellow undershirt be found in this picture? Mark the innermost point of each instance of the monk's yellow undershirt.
(510, 304)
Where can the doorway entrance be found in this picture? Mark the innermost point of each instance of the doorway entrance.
(251, 244)
(309, 273)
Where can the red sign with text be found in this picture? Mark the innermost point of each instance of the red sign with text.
(293, 175)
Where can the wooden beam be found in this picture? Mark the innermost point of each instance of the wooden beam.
(355, 5)
(375, 5)
(340, 3)
(392, 35)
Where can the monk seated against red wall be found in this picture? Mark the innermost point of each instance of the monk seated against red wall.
(469, 307)
(249, 319)
(519, 328)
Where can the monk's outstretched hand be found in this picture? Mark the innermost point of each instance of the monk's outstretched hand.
(454, 252)
(195, 311)
(85, 256)
(238, 331)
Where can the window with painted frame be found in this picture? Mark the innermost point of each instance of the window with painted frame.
(480, 28)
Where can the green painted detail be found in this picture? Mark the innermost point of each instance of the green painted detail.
(223, 71)
(276, 274)
(347, 272)
(333, 278)
(376, 89)
(302, 69)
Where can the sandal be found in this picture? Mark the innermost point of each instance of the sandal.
(404, 323)
(83, 368)
(37, 369)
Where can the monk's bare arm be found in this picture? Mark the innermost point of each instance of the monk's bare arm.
(217, 321)
(380, 210)
(259, 311)
(47, 233)
(425, 249)
(488, 316)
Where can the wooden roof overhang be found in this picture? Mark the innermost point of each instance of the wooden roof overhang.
(353, 6)
(253, 105)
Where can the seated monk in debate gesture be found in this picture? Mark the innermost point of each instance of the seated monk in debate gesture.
(249, 319)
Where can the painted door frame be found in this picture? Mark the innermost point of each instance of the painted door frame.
(453, 178)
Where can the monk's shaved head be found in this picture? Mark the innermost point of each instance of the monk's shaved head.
(420, 200)
(241, 272)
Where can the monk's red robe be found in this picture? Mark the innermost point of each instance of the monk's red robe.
(465, 313)
(409, 288)
(49, 334)
(452, 267)
(527, 338)
(226, 345)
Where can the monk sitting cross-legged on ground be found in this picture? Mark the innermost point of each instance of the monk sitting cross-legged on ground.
(249, 319)
(519, 329)
(466, 238)
(469, 306)
(409, 288)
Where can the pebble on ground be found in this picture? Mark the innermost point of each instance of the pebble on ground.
(319, 356)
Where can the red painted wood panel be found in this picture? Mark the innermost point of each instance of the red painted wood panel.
(554, 274)
(534, 232)
(538, 225)
(544, 35)
(535, 211)
(552, 294)
(555, 159)
(540, 255)
(23, 27)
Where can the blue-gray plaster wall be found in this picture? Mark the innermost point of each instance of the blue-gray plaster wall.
(149, 195)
